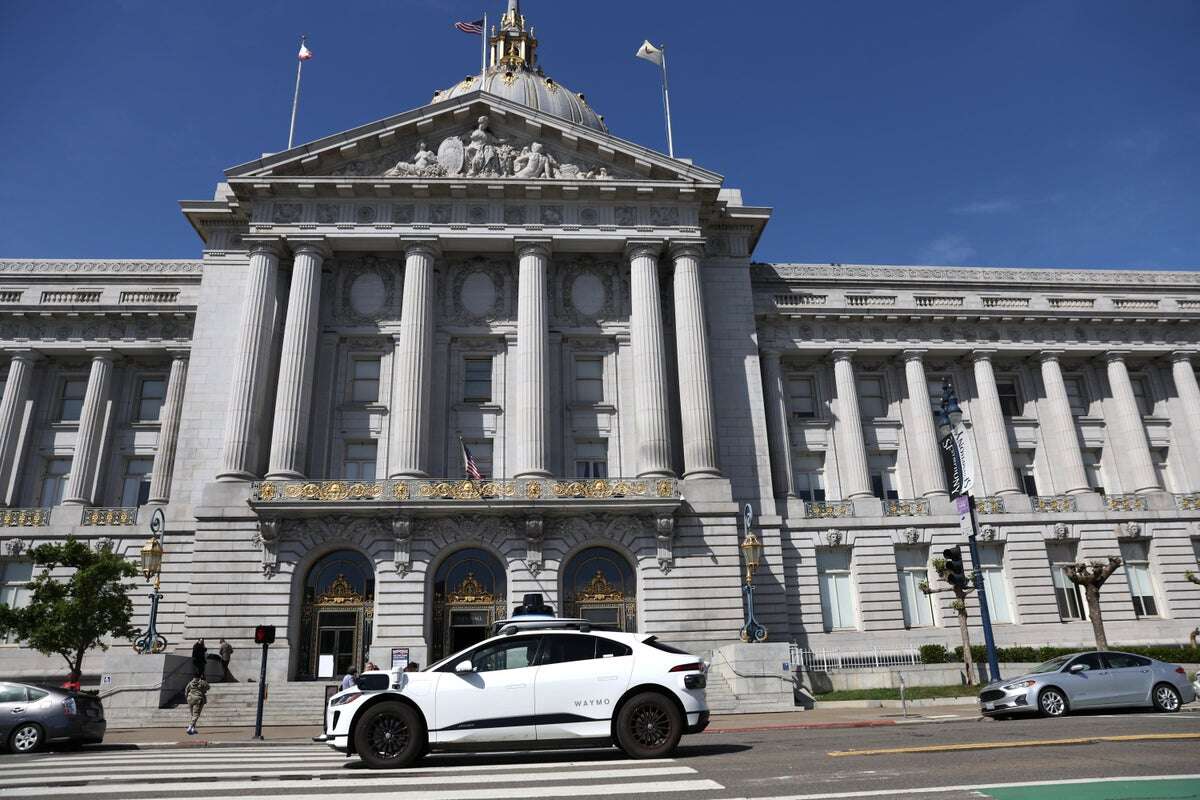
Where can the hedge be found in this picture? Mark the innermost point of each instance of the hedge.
(937, 654)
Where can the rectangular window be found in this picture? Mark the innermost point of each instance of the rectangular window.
(14, 575)
(872, 401)
(912, 570)
(1141, 393)
(1162, 468)
(810, 477)
(481, 451)
(70, 402)
(364, 380)
(358, 463)
(151, 394)
(1011, 403)
(1136, 556)
(135, 483)
(991, 563)
(1077, 396)
(477, 380)
(1068, 595)
(934, 387)
(589, 380)
(54, 480)
(837, 594)
(802, 394)
(1093, 470)
(882, 468)
(591, 459)
(1023, 463)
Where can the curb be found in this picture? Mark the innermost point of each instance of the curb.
(866, 723)
(926, 702)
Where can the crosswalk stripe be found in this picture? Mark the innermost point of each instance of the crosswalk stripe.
(322, 791)
(121, 786)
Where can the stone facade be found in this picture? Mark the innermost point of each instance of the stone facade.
(585, 316)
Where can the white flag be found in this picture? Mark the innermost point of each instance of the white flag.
(305, 54)
(650, 53)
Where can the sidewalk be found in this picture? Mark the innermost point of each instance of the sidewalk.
(143, 738)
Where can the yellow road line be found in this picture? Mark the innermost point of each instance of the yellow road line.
(945, 748)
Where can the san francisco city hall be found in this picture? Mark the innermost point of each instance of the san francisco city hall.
(497, 269)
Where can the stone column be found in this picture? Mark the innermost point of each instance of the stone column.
(1128, 431)
(991, 429)
(1189, 402)
(168, 432)
(649, 361)
(1058, 431)
(412, 370)
(928, 477)
(851, 446)
(250, 363)
(532, 371)
(297, 360)
(12, 413)
(697, 419)
(84, 464)
(779, 442)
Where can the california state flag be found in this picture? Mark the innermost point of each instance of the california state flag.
(305, 54)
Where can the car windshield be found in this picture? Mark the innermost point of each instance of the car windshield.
(1053, 665)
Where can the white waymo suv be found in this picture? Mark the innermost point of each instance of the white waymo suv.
(539, 683)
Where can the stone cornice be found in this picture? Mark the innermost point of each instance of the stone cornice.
(1058, 279)
(100, 266)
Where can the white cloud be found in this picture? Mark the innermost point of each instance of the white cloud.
(998, 205)
(949, 249)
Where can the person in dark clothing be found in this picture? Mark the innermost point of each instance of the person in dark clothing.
(199, 652)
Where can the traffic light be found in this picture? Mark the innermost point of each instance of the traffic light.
(956, 575)
(264, 634)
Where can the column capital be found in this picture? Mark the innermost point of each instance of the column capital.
(264, 245)
(535, 246)
(770, 354)
(180, 354)
(1045, 356)
(414, 245)
(1184, 356)
(635, 248)
(25, 354)
(314, 245)
(103, 354)
(682, 248)
(842, 354)
(1115, 355)
(915, 354)
(982, 354)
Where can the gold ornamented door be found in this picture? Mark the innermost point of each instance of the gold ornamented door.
(469, 594)
(337, 616)
(599, 585)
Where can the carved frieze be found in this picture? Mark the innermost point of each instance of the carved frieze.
(117, 328)
(368, 289)
(479, 291)
(587, 291)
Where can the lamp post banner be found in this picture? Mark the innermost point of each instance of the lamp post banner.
(958, 460)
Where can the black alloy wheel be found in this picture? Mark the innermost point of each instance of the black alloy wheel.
(649, 726)
(389, 736)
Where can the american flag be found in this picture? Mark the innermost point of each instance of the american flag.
(305, 54)
(475, 27)
(469, 463)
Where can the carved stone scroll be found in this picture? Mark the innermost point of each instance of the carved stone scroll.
(402, 531)
(664, 525)
(534, 532)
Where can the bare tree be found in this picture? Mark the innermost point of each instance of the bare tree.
(1091, 576)
(959, 605)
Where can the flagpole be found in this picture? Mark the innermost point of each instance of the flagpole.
(483, 53)
(667, 102)
(295, 98)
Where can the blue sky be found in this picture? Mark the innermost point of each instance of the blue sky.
(1053, 133)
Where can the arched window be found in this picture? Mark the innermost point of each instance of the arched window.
(599, 585)
(336, 615)
(470, 592)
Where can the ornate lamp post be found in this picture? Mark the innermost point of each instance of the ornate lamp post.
(152, 552)
(752, 552)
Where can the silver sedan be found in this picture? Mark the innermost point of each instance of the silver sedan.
(1089, 680)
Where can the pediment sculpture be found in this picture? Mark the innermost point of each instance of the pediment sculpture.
(479, 154)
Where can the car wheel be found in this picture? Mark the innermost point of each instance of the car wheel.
(1166, 698)
(1052, 703)
(25, 739)
(649, 726)
(389, 736)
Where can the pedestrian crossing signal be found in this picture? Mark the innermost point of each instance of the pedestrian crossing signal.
(264, 634)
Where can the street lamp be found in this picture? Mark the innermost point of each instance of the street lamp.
(752, 553)
(152, 553)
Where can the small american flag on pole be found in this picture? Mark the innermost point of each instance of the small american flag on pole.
(469, 465)
(475, 27)
(305, 54)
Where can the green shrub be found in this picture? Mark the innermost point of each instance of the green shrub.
(1170, 653)
(934, 654)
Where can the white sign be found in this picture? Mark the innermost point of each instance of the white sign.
(325, 666)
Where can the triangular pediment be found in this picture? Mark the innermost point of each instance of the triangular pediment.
(450, 141)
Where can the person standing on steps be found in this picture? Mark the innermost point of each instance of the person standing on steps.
(197, 696)
(226, 652)
(199, 651)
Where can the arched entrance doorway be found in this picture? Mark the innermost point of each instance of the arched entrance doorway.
(336, 615)
(599, 585)
(470, 592)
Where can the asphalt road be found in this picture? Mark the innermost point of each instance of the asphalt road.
(950, 760)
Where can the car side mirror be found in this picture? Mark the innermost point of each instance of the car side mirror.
(1077, 668)
(464, 666)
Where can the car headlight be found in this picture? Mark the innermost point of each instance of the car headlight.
(1020, 685)
(341, 700)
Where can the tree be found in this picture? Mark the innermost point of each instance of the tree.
(1091, 576)
(959, 605)
(69, 617)
(1191, 576)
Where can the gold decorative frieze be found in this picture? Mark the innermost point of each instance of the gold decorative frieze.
(822, 509)
(989, 505)
(405, 491)
(1057, 504)
(906, 508)
(1125, 502)
(1188, 502)
(109, 516)
(25, 518)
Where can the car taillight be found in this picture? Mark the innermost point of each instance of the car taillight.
(1181, 671)
(691, 666)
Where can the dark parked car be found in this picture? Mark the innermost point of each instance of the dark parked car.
(31, 716)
